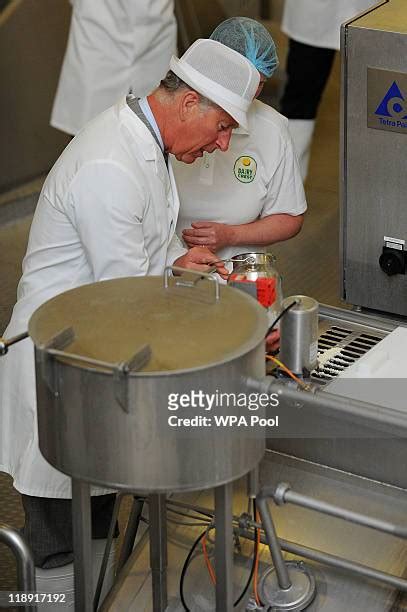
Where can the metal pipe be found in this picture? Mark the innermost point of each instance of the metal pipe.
(350, 316)
(322, 557)
(317, 555)
(253, 483)
(82, 534)
(131, 532)
(4, 344)
(110, 536)
(283, 494)
(387, 419)
(158, 551)
(224, 548)
(283, 577)
(331, 560)
(24, 560)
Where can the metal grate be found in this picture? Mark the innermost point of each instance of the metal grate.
(338, 348)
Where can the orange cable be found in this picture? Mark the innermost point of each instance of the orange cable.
(256, 564)
(288, 371)
(207, 560)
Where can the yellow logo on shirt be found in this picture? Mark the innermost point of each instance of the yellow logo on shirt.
(245, 169)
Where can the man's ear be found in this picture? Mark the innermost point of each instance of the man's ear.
(188, 104)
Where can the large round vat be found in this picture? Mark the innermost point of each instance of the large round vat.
(107, 387)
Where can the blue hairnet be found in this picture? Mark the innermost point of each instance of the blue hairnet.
(251, 39)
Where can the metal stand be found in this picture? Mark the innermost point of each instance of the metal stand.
(158, 551)
(82, 535)
(109, 542)
(287, 585)
(224, 547)
(81, 522)
(131, 532)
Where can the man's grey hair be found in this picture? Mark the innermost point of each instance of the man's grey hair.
(171, 83)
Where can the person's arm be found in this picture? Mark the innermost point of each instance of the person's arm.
(175, 250)
(199, 259)
(108, 207)
(270, 229)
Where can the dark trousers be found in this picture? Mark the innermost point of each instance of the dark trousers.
(48, 527)
(308, 69)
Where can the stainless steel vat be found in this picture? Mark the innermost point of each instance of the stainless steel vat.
(105, 424)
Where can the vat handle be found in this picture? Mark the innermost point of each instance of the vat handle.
(54, 348)
(180, 282)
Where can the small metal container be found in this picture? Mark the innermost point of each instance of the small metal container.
(299, 334)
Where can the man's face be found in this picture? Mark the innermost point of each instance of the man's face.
(205, 129)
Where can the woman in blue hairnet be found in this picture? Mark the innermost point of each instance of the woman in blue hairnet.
(252, 196)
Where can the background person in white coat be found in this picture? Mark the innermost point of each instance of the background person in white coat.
(114, 47)
(108, 208)
(252, 196)
(313, 27)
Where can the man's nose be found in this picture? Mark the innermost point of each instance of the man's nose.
(223, 139)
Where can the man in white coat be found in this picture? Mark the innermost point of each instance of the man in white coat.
(313, 27)
(113, 48)
(107, 209)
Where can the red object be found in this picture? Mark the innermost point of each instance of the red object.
(265, 288)
(266, 291)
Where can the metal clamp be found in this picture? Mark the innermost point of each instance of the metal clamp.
(190, 283)
(122, 370)
(53, 348)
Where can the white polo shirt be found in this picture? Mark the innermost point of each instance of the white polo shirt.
(258, 176)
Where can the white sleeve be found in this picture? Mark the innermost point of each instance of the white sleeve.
(107, 209)
(285, 189)
(175, 250)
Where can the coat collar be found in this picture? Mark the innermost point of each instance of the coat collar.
(142, 140)
(146, 143)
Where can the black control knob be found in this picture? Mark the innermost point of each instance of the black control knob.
(392, 261)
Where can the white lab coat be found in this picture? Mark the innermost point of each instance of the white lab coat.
(108, 209)
(317, 22)
(114, 46)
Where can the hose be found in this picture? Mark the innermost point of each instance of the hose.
(194, 546)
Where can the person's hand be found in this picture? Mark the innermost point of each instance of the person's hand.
(208, 233)
(273, 341)
(202, 260)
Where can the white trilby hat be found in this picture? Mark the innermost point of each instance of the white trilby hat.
(220, 74)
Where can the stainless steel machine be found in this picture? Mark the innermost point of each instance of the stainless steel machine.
(374, 152)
